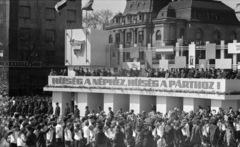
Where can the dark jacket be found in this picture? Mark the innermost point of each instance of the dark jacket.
(67, 111)
(196, 135)
(41, 142)
(57, 111)
(118, 140)
(76, 113)
(214, 134)
(50, 110)
(100, 139)
(147, 138)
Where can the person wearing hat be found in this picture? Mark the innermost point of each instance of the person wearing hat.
(57, 110)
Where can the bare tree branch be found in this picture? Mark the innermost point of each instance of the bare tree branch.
(97, 19)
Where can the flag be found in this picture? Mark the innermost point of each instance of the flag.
(88, 6)
(60, 5)
(148, 59)
(77, 46)
(1, 53)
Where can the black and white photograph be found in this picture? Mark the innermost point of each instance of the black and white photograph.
(119, 73)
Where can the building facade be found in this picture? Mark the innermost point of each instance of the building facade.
(144, 23)
(36, 34)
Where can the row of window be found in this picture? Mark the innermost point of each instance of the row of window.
(50, 13)
(129, 37)
(27, 33)
(216, 35)
(209, 15)
(129, 19)
(158, 36)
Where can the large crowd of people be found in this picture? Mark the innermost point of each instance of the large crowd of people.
(31, 122)
(160, 73)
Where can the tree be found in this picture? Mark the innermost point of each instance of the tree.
(97, 19)
(31, 41)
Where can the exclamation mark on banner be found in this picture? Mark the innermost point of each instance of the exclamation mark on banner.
(218, 85)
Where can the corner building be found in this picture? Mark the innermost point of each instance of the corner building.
(35, 41)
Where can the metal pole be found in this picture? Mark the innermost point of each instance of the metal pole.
(86, 35)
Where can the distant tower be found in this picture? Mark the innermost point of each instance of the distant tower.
(237, 10)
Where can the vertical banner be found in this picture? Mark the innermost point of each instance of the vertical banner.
(211, 51)
(134, 52)
(180, 62)
(203, 64)
(191, 55)
(163, 64)
(148, 59)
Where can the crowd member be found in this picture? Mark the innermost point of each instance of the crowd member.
(205, 127)
(160, 73)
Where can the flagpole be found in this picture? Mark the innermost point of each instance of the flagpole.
(86, 35)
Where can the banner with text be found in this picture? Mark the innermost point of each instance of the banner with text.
(217, 85)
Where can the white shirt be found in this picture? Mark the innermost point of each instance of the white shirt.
(161, 142)
(185, 130)
(68, 135)
(78, 135)
(86, 133)
(205, 130)
(13, 137)
(59, 131)
(50, 135)
(20, 139)
(160, 130)
(110, 133)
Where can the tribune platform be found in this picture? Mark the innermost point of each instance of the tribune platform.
(138, 93)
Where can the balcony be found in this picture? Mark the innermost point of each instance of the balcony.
(175, 87)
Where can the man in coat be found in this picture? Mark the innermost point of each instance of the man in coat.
(57, 110)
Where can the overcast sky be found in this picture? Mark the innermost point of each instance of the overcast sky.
(119, 5)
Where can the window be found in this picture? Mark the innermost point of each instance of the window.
(24, 34)
(208, 16)
(24, 56)
(50, 56)
(199, 37)
(196, 15)
(129, 19)
(24, 12)
(217, 16)
(50, 14)
(71, 15)
(117, 37)
(233, 35)
(141, 17)
(50, 35)
(158, 35)
(182, 31)
(129, 37)
(216, 36)
(140, 36)
(117, 20)
(110, 39)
